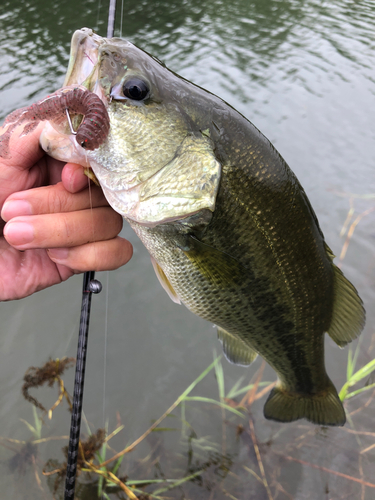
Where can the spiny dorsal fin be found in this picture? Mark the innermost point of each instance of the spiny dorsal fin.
(348, 316)
(164, 281)
(234, 348)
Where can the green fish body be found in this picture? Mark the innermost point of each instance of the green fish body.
(229, 228)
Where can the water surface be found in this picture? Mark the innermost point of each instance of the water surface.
(303, 73)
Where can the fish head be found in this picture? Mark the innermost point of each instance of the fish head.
(158, 163)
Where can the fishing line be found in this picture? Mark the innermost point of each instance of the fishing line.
(90, 286)
(98, 15)
(92, 219)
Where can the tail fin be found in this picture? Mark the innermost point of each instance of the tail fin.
(323, 408)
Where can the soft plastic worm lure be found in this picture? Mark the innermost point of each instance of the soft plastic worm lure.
(75, 99)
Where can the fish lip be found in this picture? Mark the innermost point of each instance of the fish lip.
(83, 66)
(83, 70)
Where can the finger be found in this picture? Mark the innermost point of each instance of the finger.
(63, 229)
(46, 171)
(54, 170)
(13, 179)
(73, 178)
(24, 151)
(98, 256)
(24, 273)
(51, 200)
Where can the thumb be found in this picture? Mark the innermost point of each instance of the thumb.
(23, 150)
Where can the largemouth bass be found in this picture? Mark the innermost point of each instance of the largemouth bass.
(229, 228)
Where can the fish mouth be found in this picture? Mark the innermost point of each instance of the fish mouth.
(83, 66)
(83, 70)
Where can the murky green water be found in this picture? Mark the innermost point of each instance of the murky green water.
(303, 73)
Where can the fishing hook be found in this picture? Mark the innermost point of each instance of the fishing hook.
(72, 131)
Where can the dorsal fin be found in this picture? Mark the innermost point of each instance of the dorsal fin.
(164, 281)
(348, 316)
(235, 350)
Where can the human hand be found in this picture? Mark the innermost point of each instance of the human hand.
(52, 229)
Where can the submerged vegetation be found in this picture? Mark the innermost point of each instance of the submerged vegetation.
(240, 457)
(240, 465)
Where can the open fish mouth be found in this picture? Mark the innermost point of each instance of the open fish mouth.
(97, 63)
(83, 71)
(83, 66)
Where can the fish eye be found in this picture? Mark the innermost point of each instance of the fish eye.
(135, 89)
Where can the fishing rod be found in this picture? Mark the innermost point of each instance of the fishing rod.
(90, 286)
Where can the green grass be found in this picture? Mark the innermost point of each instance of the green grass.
(354, 378)
(104, 471)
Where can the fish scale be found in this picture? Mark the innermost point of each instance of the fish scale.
(249, 308)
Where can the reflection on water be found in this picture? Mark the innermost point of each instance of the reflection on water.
(303, 73)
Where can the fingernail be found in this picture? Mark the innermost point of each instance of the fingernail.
(14, 208)
(59, 254)
(19, 233)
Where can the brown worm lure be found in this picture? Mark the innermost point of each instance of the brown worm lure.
(75, 99)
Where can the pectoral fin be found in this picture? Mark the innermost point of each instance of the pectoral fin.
(222, 270)
(164, 281)
(235, 350)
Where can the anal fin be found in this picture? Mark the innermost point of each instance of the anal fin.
(235, 350)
